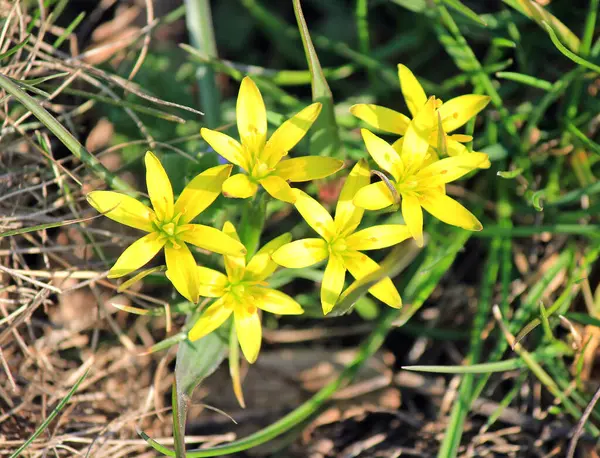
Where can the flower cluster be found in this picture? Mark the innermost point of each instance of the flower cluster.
(416, 181)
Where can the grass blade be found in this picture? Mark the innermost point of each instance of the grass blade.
(51, 417)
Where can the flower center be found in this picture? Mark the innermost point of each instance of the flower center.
(170, 230)
(338, 246)
(260, 170)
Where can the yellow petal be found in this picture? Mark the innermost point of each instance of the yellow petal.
(251, 115)
(333, 283)
(347, 215)
(374, 197)
(201, 192)
(226, 146)
(234, 265)
(261, 266)
(416, 140)
(274, 301)
(301, 253)
(457, 111)
(450, 211)
(210, 282)
(278, 188)
(212, 239)
(249, 332)
(381, 118)
(452, 168)
(290, 133)
(413, 92)
(383, 154)
(314, 214)
(181, 270)
(213, 317)
(308, 168)
(360, 265)
(413, 216)
(376, 237)
(454, 147)
(239, 186)
(122, 209)
(136, 255)
(159, 188)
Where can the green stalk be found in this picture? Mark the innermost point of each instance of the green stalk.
(198, 19)
(65, 137)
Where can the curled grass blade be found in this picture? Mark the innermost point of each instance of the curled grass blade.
(568, 53)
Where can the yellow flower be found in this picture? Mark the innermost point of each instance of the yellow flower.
(341, 244)
(260, 158)
(242, 292)
(168, 224)
(454, 114)
(418, 182)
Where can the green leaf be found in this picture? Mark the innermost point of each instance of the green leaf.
(325, 138)
(14, 49)
(416, 6)
(195, 361)
(570, 54)
(536, 12)
(39, 227)
(465, 11)
(50, 417)
(509, 174)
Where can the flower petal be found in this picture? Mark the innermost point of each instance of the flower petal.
(308, 168)
(451, 212)
(261, 266)
(314, 214)
(239, 186)
(381, 118)
(301, 253)
(211, 283)
(360, 265)
(226, 146)
(457, 111)
(333, 283)
(122, 209)
(374, 197)
(413, 92)
(212, 239)
(290, 133)
(454, 147)
(251, 114)
(181, 270)
(159, 187)
(212, 318)
(278, 188)
(413, 216)
(376, 237)
(383, 154)
(274, 301)
(234, 265)
(136, 255)
(201, 192)
(416, 140)
(452, 168)
(249, 332)
(347, 215)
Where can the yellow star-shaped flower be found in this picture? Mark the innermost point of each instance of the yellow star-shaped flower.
(341, 244)
(260, 158)
(242, 292)
(168, 224)
(454, 114)
(417, 181)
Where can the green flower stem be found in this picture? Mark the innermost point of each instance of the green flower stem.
(65, 137)
(198, 19)
(253, 222)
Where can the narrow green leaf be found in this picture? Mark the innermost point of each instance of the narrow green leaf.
(14, 49)
(539, 14)
(526, 79)
(63, 134)
(325, 138)
(59, 41)
(570, 54)
(583, 318)
(50, 417)
(510, 174)
(416, 6)
(40, 227)
(195, 361)
(465, 11)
